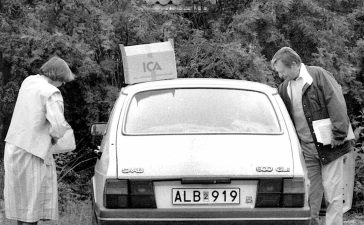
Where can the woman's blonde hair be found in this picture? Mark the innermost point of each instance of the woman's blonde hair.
(57, 69)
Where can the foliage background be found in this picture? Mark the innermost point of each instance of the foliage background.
(234, 40)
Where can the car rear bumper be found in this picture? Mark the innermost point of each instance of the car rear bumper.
(292, 216)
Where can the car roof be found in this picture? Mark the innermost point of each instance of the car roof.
(197, 83)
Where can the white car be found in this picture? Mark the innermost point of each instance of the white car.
(200, 151)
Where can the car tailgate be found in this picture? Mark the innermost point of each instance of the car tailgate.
(184, 156)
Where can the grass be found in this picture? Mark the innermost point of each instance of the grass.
(75, 214)
(354, 219)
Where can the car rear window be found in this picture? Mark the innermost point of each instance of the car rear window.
(200, 111)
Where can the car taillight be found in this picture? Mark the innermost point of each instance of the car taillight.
(142, 194)
(129, 194)
(288, 193)
(269, 193)
(116, 193)
(293, 192)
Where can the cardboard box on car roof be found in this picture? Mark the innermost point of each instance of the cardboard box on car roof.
(149, 62)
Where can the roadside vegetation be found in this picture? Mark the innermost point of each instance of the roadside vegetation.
(233, 40)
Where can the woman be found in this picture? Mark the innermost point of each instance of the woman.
(30, 189)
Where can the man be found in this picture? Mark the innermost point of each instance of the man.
(311, 93)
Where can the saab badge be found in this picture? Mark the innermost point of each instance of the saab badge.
(132, 170)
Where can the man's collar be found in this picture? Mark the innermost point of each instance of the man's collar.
(305, 75)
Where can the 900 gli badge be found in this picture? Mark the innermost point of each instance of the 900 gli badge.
(279, 169)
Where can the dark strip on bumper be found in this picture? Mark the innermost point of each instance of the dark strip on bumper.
(203, 216)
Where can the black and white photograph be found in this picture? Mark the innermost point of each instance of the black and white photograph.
(181, 112)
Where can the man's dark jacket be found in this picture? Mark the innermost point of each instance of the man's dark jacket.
(320, 100)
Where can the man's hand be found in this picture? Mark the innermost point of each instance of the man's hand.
(335, 143)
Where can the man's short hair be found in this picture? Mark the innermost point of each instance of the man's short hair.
(57, 69)
(287, 56)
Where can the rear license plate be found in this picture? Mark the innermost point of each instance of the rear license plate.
(202, 196)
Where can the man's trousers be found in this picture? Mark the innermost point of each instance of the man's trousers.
(326, 179)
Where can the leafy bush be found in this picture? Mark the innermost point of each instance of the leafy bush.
(358, 197)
